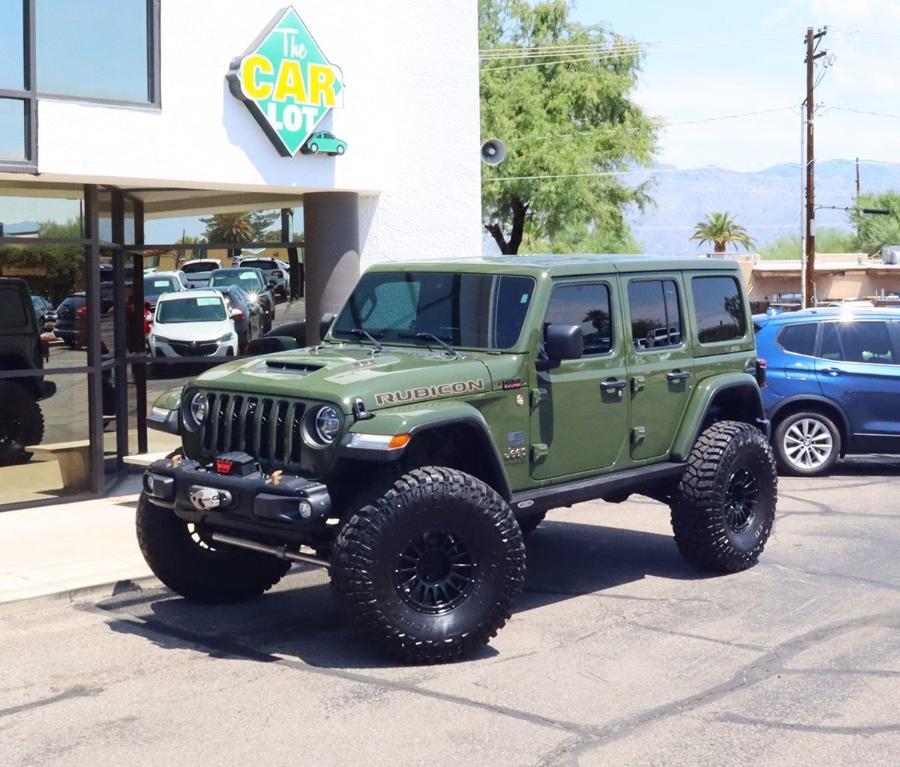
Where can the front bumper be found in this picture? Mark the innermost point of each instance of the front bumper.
(287, 511)
(164, 349)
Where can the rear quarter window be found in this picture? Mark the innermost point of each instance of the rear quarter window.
(719, 309)
(13, 315)
(799, 339)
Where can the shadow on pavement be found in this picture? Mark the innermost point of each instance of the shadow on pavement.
(866, 466)
(300, 619)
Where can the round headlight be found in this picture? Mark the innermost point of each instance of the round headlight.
(326, 425)
(198, 410)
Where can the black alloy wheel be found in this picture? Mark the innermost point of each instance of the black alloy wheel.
(435, 573)
(740, 501)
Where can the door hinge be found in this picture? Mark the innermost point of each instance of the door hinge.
(537, 396)
(539, 451)
(638, 383)
(637, 435)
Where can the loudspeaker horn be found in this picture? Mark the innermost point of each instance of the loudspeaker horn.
(493, 151)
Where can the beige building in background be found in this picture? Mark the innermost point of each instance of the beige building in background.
(839, 277)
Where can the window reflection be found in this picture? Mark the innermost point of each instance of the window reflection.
(12, 62)
(12, 129)
(96, 50)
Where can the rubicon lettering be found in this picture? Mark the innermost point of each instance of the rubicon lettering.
(429, 392)
(287, 82)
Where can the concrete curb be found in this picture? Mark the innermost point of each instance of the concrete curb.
(80, 593)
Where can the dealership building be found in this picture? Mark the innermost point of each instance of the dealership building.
(117, 116)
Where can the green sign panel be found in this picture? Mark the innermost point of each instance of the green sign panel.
(289, 86)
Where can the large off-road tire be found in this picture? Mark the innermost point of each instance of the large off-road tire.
(178, 555)
(724, 508)
(529, 522)
(430, 569)
(806, 444)
(21, 422)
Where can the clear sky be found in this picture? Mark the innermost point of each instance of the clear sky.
(724, 58)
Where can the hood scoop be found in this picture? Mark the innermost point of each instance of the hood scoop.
(286, 366)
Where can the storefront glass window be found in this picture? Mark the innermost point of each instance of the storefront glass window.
(93, 50)
(12, 129)
(12, 62)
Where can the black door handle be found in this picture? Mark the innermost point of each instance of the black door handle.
(678, 375)
(614, 384)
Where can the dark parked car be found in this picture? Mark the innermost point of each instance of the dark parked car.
(21, 419)
(71, 321)
(157, 283)
(44, 312)
(254, 284)
(833, 384)
(248, 324)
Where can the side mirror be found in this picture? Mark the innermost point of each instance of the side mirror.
(564, 342)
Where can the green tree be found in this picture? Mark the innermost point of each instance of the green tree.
(873, 232)
(566, 119)
(53, 271)
(829, 239)
(721, 230)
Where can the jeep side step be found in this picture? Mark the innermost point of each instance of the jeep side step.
(592, 488)
(281, 552)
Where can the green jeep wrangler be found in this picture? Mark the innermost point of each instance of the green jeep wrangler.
(447, 409)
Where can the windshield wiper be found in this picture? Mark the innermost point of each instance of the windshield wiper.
(432, 337)
(362, 332)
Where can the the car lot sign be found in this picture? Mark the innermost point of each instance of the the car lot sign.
(287, 82)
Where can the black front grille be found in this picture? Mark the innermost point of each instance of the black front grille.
(193, 349)
(267, 428)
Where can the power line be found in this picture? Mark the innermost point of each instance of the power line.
(665, 124)
(864, 112)
(565, 49)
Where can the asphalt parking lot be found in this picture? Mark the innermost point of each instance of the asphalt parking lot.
(619, 653)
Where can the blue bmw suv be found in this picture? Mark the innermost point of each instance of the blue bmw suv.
(833, 384)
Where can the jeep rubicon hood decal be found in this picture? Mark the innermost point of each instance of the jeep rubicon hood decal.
(342, 373)
(429, 392)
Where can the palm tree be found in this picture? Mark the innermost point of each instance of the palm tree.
(721, 230)
(228, 227)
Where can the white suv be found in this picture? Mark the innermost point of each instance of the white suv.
(194, 323)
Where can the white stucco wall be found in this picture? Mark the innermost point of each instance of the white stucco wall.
(410, 117)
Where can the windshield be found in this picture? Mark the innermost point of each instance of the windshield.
(197, 309)
(243, 277)
(156, 286)
(480, 311)
(199, 266)
(256, 264)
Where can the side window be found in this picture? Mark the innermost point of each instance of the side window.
(719, 308)
(867, 342)
(799, 339)
(585, 305)
(655, 314)
(831, 346)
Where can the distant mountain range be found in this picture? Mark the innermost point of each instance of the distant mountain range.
(767, 202)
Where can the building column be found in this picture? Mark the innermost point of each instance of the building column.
(331, 254)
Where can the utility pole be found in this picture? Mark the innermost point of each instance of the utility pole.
(857, 181)
(812, 38)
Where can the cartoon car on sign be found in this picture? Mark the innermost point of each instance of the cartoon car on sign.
(326, 142)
